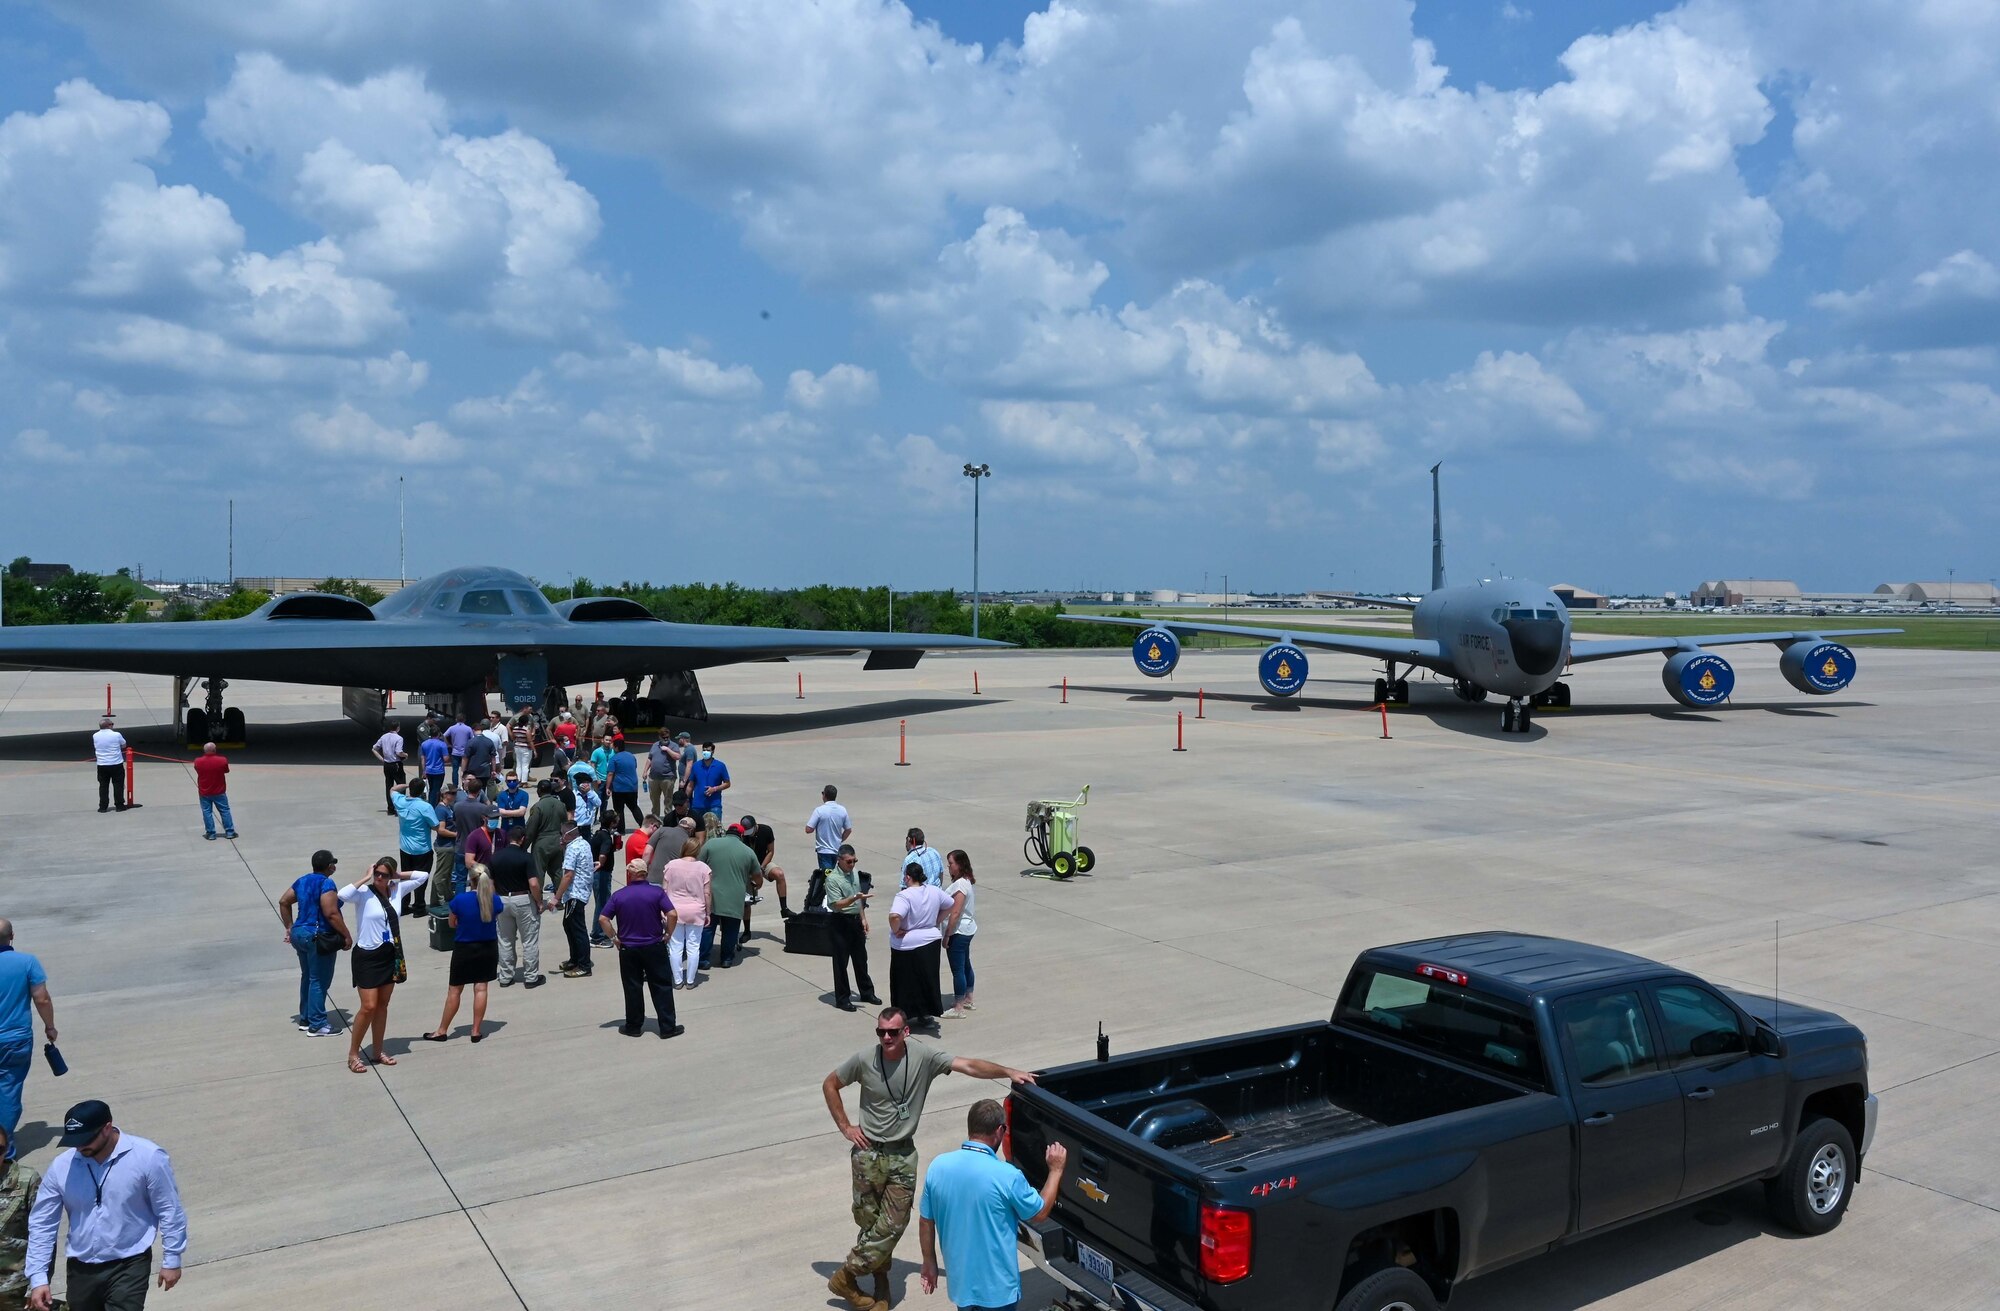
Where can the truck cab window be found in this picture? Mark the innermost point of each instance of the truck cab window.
(1700, 1025)
(1451, 1019)
(1609, 1038)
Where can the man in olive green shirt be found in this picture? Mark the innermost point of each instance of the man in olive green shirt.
(732, 866)
(544, 828)
(895, 1077)
(847, 930)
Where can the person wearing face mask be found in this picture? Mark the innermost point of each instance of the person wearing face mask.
(377, 943)
(707, 781)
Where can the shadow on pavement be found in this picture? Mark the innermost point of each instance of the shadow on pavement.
(341, 742)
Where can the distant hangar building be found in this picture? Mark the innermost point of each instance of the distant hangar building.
(1982, 596)
(1746, 591)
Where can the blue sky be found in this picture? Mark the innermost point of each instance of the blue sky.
(708, 291)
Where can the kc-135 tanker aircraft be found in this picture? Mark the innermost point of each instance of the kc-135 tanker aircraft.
(1505, 637)
(453, 637)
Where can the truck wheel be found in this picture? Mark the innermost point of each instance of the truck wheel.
(1394, 1289)
(1811, 1193)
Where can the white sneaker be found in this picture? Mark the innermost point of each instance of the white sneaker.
(954, 1014)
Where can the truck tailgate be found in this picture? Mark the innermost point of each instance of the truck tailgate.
(1123, 1197)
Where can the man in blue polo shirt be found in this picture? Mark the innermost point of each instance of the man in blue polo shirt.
(435, 751)
(22, 985)
(973, 1203)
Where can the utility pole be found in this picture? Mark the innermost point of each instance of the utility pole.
(232, 543)
(976, 472)
(402, 559)
(892, 609)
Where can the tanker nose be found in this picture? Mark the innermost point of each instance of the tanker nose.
(1537, 643)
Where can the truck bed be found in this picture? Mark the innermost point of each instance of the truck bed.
(1280, 1130)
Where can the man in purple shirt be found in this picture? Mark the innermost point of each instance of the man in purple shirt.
(640, 918)
(458, 737)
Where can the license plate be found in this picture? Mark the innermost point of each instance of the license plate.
(1095, 1262)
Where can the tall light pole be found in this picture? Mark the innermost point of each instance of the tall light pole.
(976, 472)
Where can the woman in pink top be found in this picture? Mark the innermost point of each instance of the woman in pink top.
(686, 880)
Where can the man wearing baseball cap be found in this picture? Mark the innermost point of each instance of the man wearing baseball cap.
(119, 1193)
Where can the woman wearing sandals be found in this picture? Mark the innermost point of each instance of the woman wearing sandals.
(475, 952)
(377, 945)
(958, 930)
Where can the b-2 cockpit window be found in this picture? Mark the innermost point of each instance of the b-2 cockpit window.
(530, 603)
(484, 601)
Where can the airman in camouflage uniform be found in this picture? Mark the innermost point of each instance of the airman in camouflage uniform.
(17, 1193)
(895, 1077)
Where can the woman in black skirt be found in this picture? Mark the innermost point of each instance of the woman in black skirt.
(914, 947)
(377, 942)
(475, 952)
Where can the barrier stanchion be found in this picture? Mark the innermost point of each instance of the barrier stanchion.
(902, 742)
(131, 777)
(802, 687)
(1065, 699)
(975, 682)
(1201, 703)
(1384, 708)
(107, 698)
(1180, 730)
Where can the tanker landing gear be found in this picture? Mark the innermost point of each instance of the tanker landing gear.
(1515, 718)
(213, 722)
(1557, 696)
(1465, 690)
(1392, 690)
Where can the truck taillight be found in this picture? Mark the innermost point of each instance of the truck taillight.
(1225, 1243)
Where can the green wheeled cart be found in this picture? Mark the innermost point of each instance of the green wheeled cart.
(1052, 837)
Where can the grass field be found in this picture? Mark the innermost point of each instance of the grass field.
(1935, 632)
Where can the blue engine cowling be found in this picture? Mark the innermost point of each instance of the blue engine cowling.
(1817, 668)
(1698, 678)
(1282, 669)
(1156, 651)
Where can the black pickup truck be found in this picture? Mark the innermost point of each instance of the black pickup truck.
(1473, 1101)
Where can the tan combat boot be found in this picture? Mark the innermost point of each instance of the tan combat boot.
(882, 1288)
(842, 1285)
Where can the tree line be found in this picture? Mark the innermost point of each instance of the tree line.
(86, 598)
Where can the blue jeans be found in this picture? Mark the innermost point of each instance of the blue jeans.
(457, 762)
(600, 883)
(958, 950)
(16, 1055)
(315, 975)
(827, 859)
(730, 929)
(434, 787)
(209, 805)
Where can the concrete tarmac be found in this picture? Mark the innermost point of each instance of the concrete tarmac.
(558, 1164)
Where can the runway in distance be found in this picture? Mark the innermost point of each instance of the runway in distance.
(453, 637)
(1505, 637)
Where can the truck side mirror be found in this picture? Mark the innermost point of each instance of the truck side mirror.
(1766, 1042)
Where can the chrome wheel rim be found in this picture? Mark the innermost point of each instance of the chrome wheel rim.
(1826, 1179)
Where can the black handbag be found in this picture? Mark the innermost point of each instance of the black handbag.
(326, 940)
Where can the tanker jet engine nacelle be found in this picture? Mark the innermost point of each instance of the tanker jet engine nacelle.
(1156, 652)
(1282, 669)
(1698, 679)
(1817, 668)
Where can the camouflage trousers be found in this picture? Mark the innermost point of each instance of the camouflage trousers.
(885, 1188)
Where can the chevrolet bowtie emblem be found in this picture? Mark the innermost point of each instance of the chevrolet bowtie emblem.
(1089, 1188)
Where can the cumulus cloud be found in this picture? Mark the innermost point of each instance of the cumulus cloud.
(678, 372)
(1956, 302)
(1011, 311)
(491, 227)
(349, 433)
(842, 386)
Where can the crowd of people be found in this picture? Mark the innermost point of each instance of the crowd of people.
(487, 850)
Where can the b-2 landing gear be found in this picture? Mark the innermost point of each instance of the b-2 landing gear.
(1515, 718)
(213, 722)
